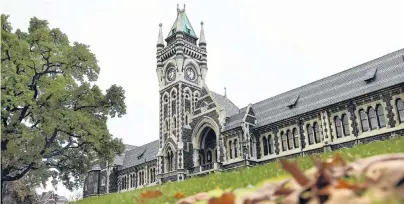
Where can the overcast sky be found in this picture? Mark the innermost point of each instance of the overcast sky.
(257, 49)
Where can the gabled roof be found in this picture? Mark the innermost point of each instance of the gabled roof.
(141, 154)
(225, 103)
(183, 22)
(118, 160)
(387, 71)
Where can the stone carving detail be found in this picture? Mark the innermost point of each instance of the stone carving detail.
(389, 108)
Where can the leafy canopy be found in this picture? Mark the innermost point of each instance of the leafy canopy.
(53, 119)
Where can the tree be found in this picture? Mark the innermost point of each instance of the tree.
(53, 117)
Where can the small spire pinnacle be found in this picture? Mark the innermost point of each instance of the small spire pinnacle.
(225, 94)
(178, 9)
(184, 6)
(160, 41)
(202, 39)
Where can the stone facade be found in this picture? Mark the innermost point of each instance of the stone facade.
(203, 132)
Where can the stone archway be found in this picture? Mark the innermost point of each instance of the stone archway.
(205, 140)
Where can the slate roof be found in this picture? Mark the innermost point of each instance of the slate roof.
(118, 160)
(141, 154)
(336, 88)
(225, 103)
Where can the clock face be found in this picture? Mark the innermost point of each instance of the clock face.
(170, 74)
(191, 74)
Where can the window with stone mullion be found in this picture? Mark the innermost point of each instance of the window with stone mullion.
(380, 116)
(338, 126)
(345, 125)
(296, 137)
(372, 118)
(364, 120)
(284, 141)
(400, 110)
(310, 134)
(270, 145)
(290, 139)
(317, 135)
(265, 145)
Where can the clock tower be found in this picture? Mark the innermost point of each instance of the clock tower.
(181, 71)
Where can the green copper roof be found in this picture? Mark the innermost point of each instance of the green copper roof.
(185, 25)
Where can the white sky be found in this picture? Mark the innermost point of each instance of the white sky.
(257, 49)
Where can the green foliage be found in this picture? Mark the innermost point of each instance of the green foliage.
(53, 117)
(243, 177)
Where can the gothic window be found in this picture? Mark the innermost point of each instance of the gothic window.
(251, 147)
(103, 181)
(345, 125)
(372, 118)
(230, 150)
(235, 148)
(290, 139)
(338, 126)
(186, 119)
(265, 145)
(174, 122)
(169, 159)
(400, 110)
(270, 145)
(380, 116)
(283, 138)
(167, 126)
(317, 132)
(296, 137)
(311, 134)
(364, 120)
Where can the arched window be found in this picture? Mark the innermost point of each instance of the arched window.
(345, 125)
(364, 120)
(380, 116)
(283, 138)
(317, 132)
(169, 158)
(230, 150)
(265, 145)
(235, 148)
(372, 118)
(290, 139)
(338, 126)
(270, 145)
(296, 137)
(310, 134)
(175, 122)
(400, 110)
(167, 126)
(186, 119)
(252, 143)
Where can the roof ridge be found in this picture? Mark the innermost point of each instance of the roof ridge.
(332, 75)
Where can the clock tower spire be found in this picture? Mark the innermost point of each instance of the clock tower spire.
(181, 71)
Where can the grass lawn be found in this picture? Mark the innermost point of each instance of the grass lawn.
(242, 177)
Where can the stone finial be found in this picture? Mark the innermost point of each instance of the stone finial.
(202, 39)
(178, 9)
(225, 94)
(160, 41)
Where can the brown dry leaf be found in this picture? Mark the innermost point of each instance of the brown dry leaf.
(341, 184)
(295, 171)
(179, 195)
(226, 198)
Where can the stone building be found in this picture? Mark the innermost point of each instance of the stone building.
(203, 132)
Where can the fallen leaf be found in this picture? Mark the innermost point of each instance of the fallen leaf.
(226, 198)
(295, 171)
(179, 195)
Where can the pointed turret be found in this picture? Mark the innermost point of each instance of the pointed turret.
(160, 41)
(202, 40)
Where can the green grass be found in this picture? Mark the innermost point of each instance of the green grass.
(243, 177)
